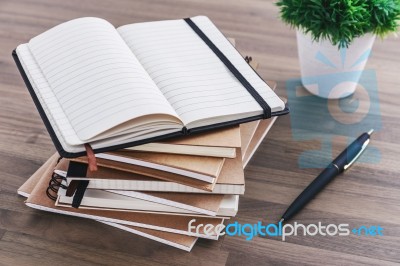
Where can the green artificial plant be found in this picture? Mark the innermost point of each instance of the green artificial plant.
(341, 21)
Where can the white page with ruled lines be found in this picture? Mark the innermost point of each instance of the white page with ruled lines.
(193, 79)
(56, 116)
(48, 101)
(96, 79)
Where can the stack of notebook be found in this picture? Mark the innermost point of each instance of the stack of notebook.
(153, 206)
(154, 121)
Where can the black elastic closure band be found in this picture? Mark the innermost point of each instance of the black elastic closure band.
(75, 169)
(79, 193)
(266, 108)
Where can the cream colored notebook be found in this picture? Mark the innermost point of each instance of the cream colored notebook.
(101, 199)
(208, 204)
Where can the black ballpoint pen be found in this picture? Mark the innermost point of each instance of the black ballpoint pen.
(336, 167)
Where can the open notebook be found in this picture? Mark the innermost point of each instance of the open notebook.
(115, 88)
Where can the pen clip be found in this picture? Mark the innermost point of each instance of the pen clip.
(358, 155)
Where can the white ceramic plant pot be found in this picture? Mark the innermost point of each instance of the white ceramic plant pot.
(329, 72)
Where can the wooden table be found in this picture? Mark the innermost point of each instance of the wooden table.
(369, 194)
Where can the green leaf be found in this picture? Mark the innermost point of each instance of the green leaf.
(341, 21)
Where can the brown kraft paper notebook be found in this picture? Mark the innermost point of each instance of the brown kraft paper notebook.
(188, 166)
(112, 171)
(183, 242)
(247, 130)
(168, 223)
(261, 131)
(113, 176)
(227, 137)
(217, 143)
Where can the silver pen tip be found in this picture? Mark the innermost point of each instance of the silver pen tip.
(281, 220)
(370, 132)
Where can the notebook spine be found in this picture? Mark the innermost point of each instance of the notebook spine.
(55, 183)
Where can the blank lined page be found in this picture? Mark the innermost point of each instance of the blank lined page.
(47, 99)
(193, 79)
(95, 77)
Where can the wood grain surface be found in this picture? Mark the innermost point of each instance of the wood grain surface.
(368, 194)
